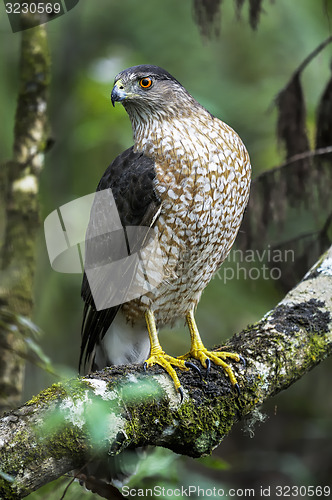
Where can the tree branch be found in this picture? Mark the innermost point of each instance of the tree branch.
(304, 64)
(68, 424)
(293, 159)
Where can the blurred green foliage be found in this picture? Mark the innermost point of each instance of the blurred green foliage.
(237, 77)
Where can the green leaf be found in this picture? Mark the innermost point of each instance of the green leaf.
(159, 463)
(29, 325)
(7, 477)
(214, 463)
(34, 347)
(140, 388)
(99, 419)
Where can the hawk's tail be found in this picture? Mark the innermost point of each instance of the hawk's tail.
(123, 343)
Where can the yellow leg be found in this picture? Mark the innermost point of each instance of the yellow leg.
(198, 351)
(158, 356)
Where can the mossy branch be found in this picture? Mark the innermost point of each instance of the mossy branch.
(68, 424)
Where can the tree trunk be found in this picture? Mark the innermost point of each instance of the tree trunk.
(19, 180)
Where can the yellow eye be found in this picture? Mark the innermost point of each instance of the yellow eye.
(145, 83)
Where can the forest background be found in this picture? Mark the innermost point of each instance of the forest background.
(236, 75)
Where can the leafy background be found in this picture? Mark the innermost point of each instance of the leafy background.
(236, 75)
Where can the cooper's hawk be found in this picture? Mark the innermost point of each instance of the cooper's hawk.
(187, 177)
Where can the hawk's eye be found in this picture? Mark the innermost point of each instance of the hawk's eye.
(145, 83)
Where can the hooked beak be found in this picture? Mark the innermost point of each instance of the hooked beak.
(118, 94)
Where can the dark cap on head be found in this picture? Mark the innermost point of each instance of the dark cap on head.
(145, 70)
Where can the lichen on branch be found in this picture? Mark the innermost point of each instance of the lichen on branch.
(70, 423)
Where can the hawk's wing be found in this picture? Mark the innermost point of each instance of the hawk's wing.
(131, 179)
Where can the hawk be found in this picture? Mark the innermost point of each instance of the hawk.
(187, 179)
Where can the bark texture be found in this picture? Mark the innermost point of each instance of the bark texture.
(68, 424)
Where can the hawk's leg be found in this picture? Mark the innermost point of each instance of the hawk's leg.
(199, 351)
(159, 357)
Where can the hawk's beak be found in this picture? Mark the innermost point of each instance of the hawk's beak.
(118, 94)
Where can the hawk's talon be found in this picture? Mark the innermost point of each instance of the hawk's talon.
(237, 387)
(243, 361)
(145, 366)
(197, 351)
(167, 363)
(208, 366)
(188, 364)
(159, 357)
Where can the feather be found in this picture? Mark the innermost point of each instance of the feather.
(131, 180)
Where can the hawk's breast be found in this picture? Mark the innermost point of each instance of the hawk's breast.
(202, 178)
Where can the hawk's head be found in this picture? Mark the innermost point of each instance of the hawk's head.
(149, 89)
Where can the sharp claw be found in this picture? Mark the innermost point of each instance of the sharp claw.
(188, 364)
(208, 366)
(181, 393)
(145, 365)
(237, 387)
(243, 361)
